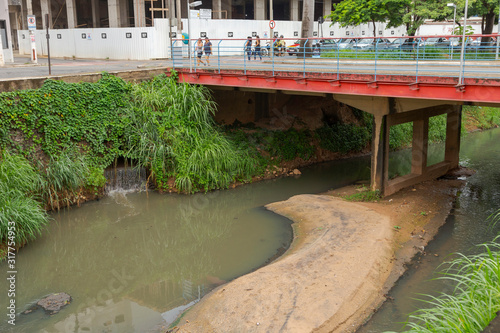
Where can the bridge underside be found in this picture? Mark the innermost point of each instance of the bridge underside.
(389, 112)
(392, 101)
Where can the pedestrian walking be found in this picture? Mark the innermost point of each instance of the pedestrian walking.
(248, 47)
(256, 51)
(207, 48)
(199, 51)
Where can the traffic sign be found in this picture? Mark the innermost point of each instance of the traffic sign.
(272, 24)
(31, 22)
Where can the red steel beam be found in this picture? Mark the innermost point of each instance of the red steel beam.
(427, 87)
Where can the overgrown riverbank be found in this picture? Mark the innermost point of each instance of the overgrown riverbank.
(56, 142)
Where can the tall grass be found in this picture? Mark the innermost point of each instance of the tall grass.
(62, 177)
(173, 134)
(474, 301)
(19, 185)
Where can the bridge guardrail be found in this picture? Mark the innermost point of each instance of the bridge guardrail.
(407, 55)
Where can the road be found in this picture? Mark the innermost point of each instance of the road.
(22, 68)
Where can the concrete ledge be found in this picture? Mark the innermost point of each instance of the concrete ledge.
(37, 82)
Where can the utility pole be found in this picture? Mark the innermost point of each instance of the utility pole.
(460, 78)
(271, 17)
(498, 33)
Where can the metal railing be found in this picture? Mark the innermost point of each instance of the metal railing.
(409, 56)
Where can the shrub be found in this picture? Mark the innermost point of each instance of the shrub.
(173, 134)
(343, 138)
(290, 144)
(19, 184)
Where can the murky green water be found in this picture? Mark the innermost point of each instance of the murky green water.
(132, 261)
(465, 229)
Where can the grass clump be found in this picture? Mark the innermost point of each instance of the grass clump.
(19, 186)
(474, 301)
(171, 132)
(365, 195)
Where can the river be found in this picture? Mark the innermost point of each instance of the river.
(465, 228)
(132, 261)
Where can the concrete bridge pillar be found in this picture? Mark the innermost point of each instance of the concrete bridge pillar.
(389, 112)
(380, 152)
(114, 13)
(71, 14)
(46, 7)
(96, 15)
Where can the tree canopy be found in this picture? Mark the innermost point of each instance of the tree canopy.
(355, 12)
(411, 13)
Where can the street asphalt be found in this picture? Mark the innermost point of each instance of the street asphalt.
(23, 68)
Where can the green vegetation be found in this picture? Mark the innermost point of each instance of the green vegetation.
(172, 133)
(364, 194)
(481, 117)
(344, 138)
(19, 186)
(474, 301)
(423, 53)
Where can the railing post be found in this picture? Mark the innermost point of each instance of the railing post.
(218, 55)
(416, 69)
(304, 56)
(272, 50)
(376, 55)
(338, 59)
(244, 59)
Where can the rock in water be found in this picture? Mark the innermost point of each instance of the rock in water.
(52, 303)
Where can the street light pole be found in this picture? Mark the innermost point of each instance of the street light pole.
(498, 33)
(460, 78)
(189, 36)
(190, 5)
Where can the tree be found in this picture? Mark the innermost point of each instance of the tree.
(487, 9)
(411, 13)
(307, 26)
(355, 12)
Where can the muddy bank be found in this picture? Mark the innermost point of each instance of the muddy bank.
(343, 260)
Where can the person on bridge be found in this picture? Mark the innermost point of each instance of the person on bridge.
(207, 48)
(199, 51)
(256, 51)
(248, 47)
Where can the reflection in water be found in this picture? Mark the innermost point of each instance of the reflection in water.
(133, 260)
(465, 228)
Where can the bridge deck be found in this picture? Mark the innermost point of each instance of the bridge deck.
(418, 73)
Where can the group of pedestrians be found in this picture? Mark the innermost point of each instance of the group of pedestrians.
(256, 48)
(201, 47)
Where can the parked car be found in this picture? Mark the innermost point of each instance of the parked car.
(403, 44)
(437, 42)
(322, 45)
(372, 44)
(293, 48)
(347, 43)
(477, 43)
(325, 45)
